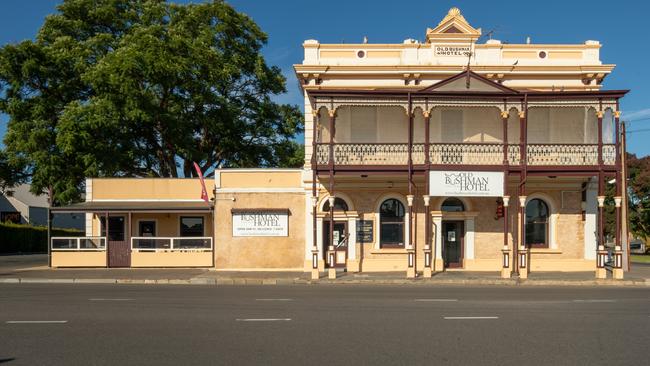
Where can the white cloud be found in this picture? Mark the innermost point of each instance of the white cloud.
(635, 115)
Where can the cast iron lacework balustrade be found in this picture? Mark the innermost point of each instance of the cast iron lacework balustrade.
(322, 154)
(513, 154)
(562, 154)
(609, 154)
(466, 154)
(370, 154)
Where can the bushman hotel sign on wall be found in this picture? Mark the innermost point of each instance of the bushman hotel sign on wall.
(260, 223)
(466, 184)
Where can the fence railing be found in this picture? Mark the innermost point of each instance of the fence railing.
(78, 243)
(464, 154)
(176, 244)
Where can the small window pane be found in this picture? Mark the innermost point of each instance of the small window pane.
(191, 226)
(339, 205)
(452, 205)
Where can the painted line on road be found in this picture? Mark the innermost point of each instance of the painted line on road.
(110, 299)
(470, 317)
(595, 300)
(36, 321)
(436, 300)
(264, 320)
(273, 299)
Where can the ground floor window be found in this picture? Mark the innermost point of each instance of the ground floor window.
(537, 218)
(391, 221)
(191, 226)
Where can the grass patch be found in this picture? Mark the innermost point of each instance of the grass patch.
(640, 258)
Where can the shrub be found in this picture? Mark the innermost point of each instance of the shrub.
(20, 238)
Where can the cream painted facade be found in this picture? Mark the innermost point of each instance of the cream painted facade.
(379, 118)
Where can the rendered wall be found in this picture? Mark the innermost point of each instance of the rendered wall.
(148, 188)
(171, 259)
(260, 253)
(79, 259)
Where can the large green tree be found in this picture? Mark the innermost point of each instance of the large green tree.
(143, 88)
(639, 194)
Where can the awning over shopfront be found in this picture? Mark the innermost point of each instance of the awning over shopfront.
(136, 206)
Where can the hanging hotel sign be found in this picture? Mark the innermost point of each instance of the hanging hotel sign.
(260, 223)
(465, 184)
(452, 50)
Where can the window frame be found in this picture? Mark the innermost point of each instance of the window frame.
(402, 224)
(180, 226)
(547, 226)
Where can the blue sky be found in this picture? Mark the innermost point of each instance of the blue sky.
(617, 25)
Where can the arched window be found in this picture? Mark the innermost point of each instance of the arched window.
(537, 219)
(452, 204)
(339, 205)
(391, 221)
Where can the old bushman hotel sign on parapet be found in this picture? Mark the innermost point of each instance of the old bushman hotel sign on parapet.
(260, 223)
(467, 184)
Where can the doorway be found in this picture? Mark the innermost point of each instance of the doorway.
(453, 241)
(119, 251)
(340, 243)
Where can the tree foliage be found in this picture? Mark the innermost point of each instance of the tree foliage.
(639, 194)
(143, 88)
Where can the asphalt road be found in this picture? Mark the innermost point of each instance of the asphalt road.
(322, 325)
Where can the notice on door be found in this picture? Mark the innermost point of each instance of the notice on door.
(260, 223)
(465, 184)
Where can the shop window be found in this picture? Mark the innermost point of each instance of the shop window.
(191, 226)
(452, 204)
(339, 205)
(391, 221)
(537, 219)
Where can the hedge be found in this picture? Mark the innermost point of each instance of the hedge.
(19, 238)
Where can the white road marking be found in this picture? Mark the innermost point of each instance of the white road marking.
(436, 300)
(36, 321)
(595, 300)
(264, 320)
(273, 299)
(470, 317)
(110, 299)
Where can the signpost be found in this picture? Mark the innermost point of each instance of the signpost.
(365, 230)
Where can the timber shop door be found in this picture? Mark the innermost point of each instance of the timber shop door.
(119, 250)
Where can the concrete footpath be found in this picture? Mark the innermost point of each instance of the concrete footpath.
(33, 269)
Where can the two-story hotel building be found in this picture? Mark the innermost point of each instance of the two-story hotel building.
(450, 153)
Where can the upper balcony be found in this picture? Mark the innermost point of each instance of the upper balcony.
(378, 136)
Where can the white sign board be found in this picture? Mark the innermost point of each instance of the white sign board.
(465, 184)
(260, 223)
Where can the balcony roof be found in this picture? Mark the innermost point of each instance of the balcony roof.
(136, 206)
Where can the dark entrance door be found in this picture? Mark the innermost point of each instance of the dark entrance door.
(453, 235)
(340, 242)
(119, 251)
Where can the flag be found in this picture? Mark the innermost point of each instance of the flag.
(204, 192)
